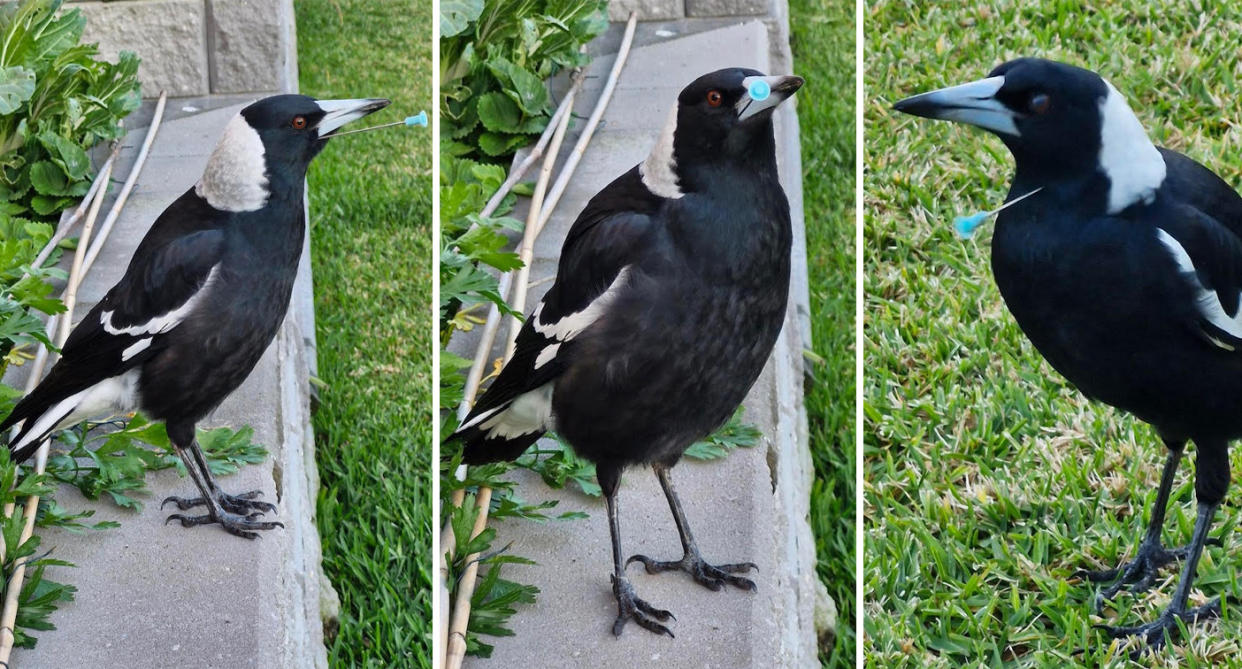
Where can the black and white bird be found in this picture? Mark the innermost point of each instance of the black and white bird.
(1124, 268)
(201, 300)
(669, 295)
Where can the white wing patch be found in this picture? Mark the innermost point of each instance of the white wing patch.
(162, 323)
(1135, 169)
(548, 354)
(528, 413)
(135, 348)
(570, 325)
(235, 178)
(659, 170)
(1208, 301)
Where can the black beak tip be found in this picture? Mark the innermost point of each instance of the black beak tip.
(790, 84)
(377, 104)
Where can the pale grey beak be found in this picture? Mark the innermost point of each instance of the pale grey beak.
(339, 112)
(973, 103)
(781, 88)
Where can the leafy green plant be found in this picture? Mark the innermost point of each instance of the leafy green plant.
(56, 101)
(494, 58)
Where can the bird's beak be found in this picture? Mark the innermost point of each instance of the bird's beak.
(781, 89)
(339, 112)
(974, 103)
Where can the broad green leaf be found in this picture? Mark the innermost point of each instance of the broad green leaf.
(17, 84)
(499, 113)
(456, 15)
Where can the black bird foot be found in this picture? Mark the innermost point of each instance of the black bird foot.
(243, 504)
(235, 524)
(1155, 633)
(1139, 573)
(630, 607)
(712, 577)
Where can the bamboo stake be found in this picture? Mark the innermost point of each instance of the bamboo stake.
(65, 226)
(482, 353)
(565, 108)
(457, 632)
(83, 258)
(40, 360)
(9, 616)
(465, 589)
(123, 196)
(571, 164)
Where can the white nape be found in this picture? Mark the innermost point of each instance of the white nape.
(528, 413)
(1208, 301)
(659, 170)
(570, 325)
(235, 178)
(163, 322)
(1135, 169)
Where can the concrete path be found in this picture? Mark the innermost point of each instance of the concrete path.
(151, 595)
(752, 505)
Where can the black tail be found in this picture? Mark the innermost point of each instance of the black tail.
(478, 448)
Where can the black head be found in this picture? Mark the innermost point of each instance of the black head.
(269, 146)
(294, 128)
(1059, 121)
(721, 116)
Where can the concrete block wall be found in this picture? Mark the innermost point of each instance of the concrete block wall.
(663, 10)
(200, 47)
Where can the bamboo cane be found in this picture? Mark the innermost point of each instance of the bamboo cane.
(483, 352)
(539, 214)
(83, 258)
(9, 616)
(465, 590)
(571, 164)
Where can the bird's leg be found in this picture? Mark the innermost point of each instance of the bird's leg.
(710, 576)
(1141, 572)
(1154, 633)
(236, 514)
(629, 606)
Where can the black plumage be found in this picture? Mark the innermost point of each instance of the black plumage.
(1125, 272)
(670, 291)
(202, 298)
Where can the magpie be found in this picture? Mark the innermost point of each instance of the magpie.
(670, 292)
(1124, 268)
(203, 296)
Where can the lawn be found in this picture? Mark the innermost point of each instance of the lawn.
(370, 203)
(823, 47)
(990, 479)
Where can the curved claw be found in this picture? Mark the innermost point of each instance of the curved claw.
(183, 503)
(712, 577)
(1157, 632)
(630, 607)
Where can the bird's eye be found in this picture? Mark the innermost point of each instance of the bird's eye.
(1039, 103)
(299, 122)
(714, 98)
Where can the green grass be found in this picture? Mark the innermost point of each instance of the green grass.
(990, 479)
(370, 202)
(823, 46)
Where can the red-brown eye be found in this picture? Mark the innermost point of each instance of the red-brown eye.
(1039, 103)
(714, 98)
(299, 122)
